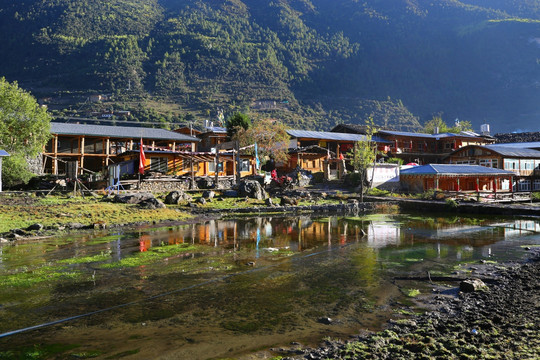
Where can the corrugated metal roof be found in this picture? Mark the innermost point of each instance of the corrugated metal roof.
(514, 152)
(523, 145)
(119, 132)
(422, 135)
(452, 169)
(324, 135)
(3, 153)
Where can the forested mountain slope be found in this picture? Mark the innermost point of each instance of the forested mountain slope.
(312, 63)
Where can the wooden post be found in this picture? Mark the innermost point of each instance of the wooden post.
(107, 151)
(55, 153)
(192, 174)
(238, 166)
(82, 153)
(216, 162)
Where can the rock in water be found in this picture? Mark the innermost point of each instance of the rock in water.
(472, 285)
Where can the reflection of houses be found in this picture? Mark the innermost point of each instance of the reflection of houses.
(447, 177)
(94, 147)
(524, 163)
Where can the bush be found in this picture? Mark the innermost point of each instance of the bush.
(378, 192)
(451, 203)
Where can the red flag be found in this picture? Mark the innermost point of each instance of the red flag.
(142, 158)
(341, 156)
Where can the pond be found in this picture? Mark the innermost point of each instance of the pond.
(231, 288)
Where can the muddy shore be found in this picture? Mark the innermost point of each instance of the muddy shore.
(500, 323)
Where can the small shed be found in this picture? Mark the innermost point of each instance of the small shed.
(3, 154)
(449, 177)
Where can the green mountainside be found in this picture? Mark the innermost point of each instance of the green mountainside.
(310, 63)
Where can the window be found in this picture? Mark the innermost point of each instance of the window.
(492, 163)
(511, 164)
(212, 166)
(245, 165)
(158, 164)
(536, 185)
(527, 164)
(524, 185)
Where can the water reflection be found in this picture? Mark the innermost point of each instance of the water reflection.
(250, 282)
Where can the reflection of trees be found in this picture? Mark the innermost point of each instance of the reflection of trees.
(364, 259)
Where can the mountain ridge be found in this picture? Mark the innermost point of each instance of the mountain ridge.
(400, 62)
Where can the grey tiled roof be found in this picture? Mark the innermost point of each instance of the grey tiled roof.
(119, 132)
(451, 169)
(523, 145)
(422, 135)
(514, 151)
(323, 135)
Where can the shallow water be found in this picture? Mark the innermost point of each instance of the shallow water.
(227, 288)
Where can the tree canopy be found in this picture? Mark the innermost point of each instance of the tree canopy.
(24, 130)
(236, 122)
(271, 138)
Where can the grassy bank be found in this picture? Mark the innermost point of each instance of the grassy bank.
(21, 211)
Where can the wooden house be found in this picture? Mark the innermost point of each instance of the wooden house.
(3, 154)
(418, 147)
(95, 147)
(427, 148)
(452, 177)
(524, 163)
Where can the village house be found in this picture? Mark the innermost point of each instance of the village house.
(458, 178)
(419, 148)
(524, 163)
(320, 151)
(95, 147)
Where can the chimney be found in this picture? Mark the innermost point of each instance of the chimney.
(436, 130)
(205, 123)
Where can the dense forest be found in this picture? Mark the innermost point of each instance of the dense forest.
(309, 63)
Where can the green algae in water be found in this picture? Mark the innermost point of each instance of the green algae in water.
(43, 274)
(412, 292)
(41, 351)
(152, 255)
(87, 259)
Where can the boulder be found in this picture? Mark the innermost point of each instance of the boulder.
(152, 204)
(230, 193)
(175, 197)
(285, 200)
(269, 202)
(35, 227)
(134, 198)
(208, 194)
(205, 183)
(202, 200)
(472, 285)
(252, 189)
